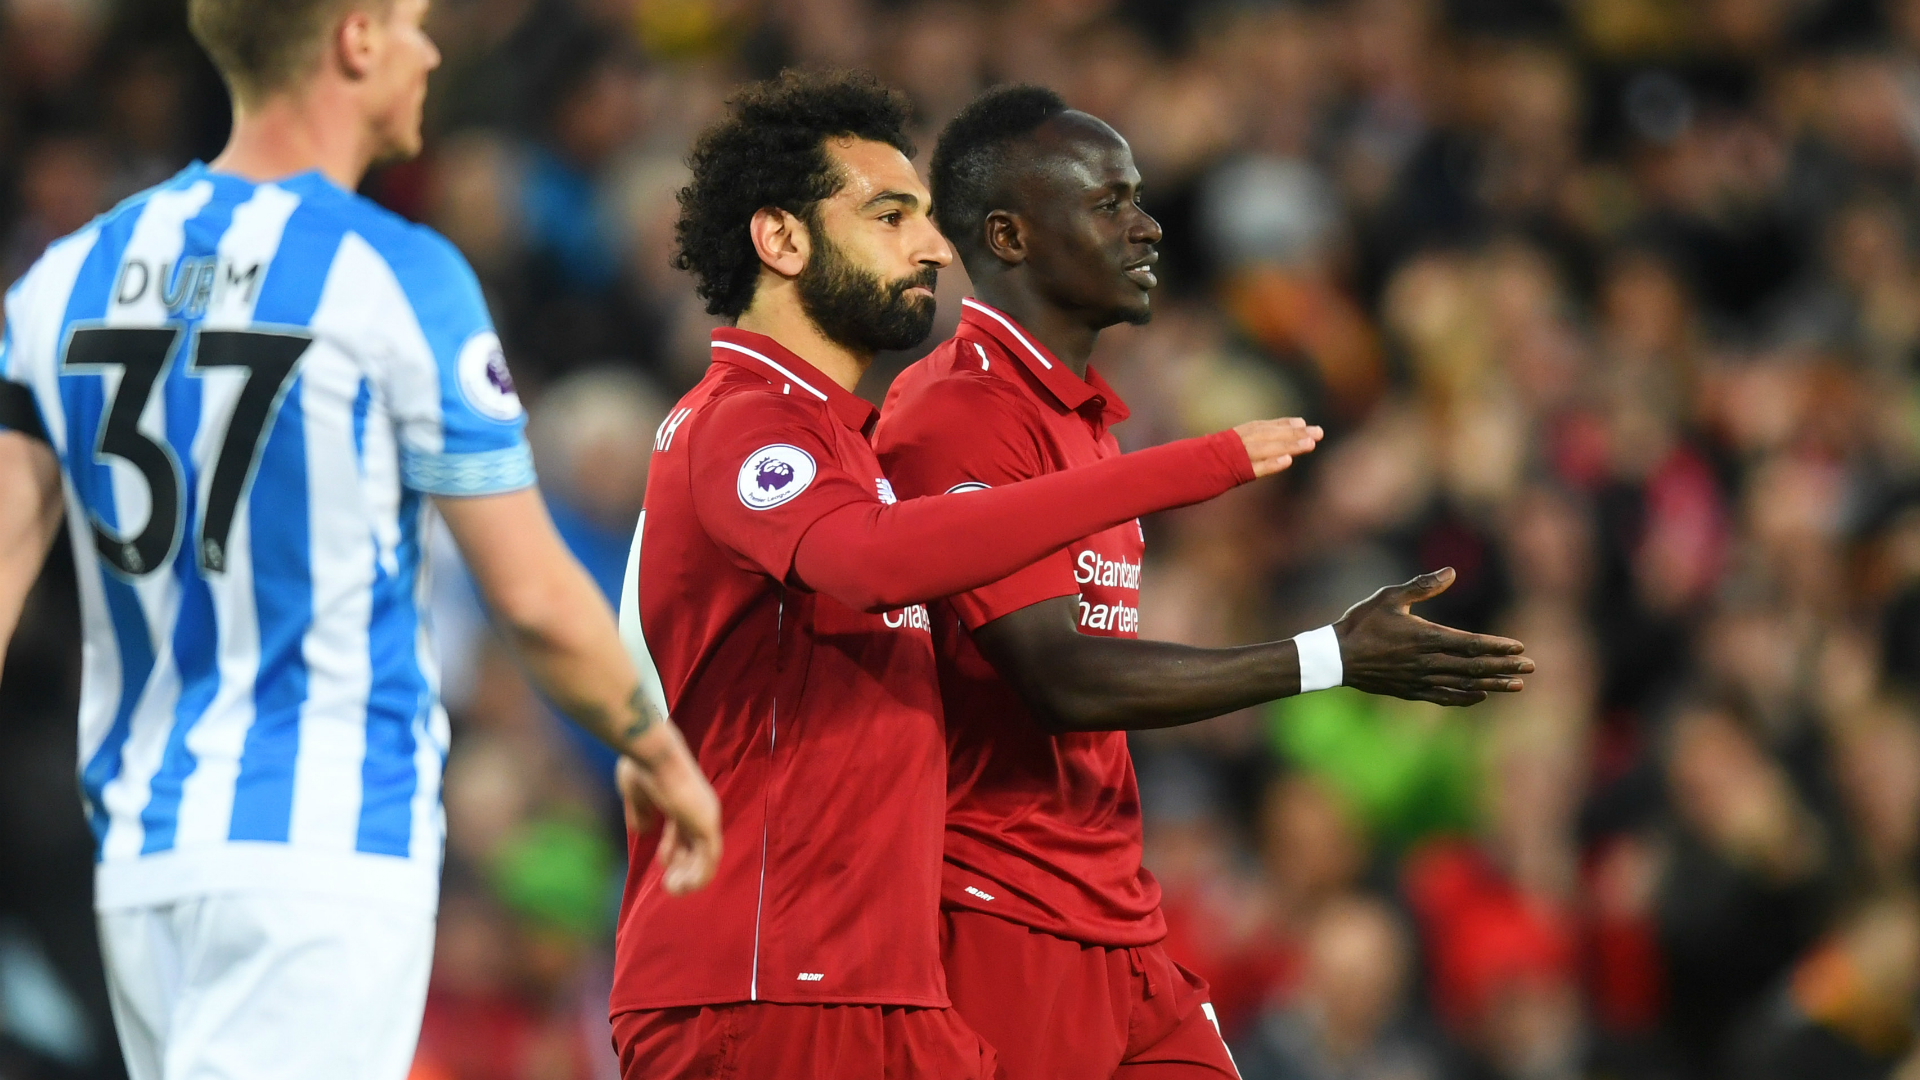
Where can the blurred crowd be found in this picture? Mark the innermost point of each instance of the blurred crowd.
(1612, 305)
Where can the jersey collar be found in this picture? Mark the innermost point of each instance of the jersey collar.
(1090, 396)
(308, 184)
(776, 363)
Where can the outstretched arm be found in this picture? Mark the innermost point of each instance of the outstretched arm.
(875, 558)
(29, 516)
(1079, 682)
(563, 631)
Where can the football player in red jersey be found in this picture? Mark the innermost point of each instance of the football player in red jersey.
(1051, 927)
(777, 587)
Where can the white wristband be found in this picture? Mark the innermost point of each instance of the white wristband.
(1319, 659)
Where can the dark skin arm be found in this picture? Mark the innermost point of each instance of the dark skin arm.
(1077, 682)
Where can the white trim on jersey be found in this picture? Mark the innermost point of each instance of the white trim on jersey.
(767, 360)
(632, 634)
(968, 301)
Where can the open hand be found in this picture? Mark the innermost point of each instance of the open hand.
(1385, 649)
(673, 787)
(1273, 444)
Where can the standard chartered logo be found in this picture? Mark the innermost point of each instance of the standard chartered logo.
(1091, 569)
(909, 618)
(1115, 618)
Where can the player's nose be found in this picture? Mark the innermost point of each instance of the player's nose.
(1144, 229)
(934, 251)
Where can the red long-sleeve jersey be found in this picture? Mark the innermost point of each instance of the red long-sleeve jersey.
(778, 592)
(1043, 830)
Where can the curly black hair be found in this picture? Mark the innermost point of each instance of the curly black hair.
(968, 173)
(770, 151)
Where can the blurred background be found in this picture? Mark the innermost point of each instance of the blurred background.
(1613, 305)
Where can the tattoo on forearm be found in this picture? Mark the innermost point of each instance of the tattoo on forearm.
(644, 716)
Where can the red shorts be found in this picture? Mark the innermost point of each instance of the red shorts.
(756, 1040)
(1055, 1009)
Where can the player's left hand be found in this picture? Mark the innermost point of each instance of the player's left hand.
(1273, 444)
(1386, 649)
(640, 812)
(674, 788)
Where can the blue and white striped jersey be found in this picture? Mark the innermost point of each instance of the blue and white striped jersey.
(252, 388)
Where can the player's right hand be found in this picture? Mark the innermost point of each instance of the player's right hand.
(668, 784)
(1273, 444)
(1386, 649)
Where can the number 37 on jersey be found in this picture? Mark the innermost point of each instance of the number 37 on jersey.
(265, 358)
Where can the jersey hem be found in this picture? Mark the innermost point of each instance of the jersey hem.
(239, 866)
(1061, 931)
(690, 1001)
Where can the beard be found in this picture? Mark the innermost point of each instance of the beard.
(855, 309)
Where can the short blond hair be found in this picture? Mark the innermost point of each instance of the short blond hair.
(262, 47)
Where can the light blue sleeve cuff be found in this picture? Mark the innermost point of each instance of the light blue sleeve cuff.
(490, 472)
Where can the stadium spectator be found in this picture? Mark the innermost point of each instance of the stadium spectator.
(1347, 1020)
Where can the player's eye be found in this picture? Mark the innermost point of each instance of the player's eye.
(891, 217)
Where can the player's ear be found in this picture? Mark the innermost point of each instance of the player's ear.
(1006, 237)
(781, 239)
(355, 41)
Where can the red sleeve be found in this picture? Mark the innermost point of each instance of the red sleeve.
(763, 473)
(972, 433)
(876, 558)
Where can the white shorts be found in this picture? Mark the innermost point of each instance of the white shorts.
(267, 986)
